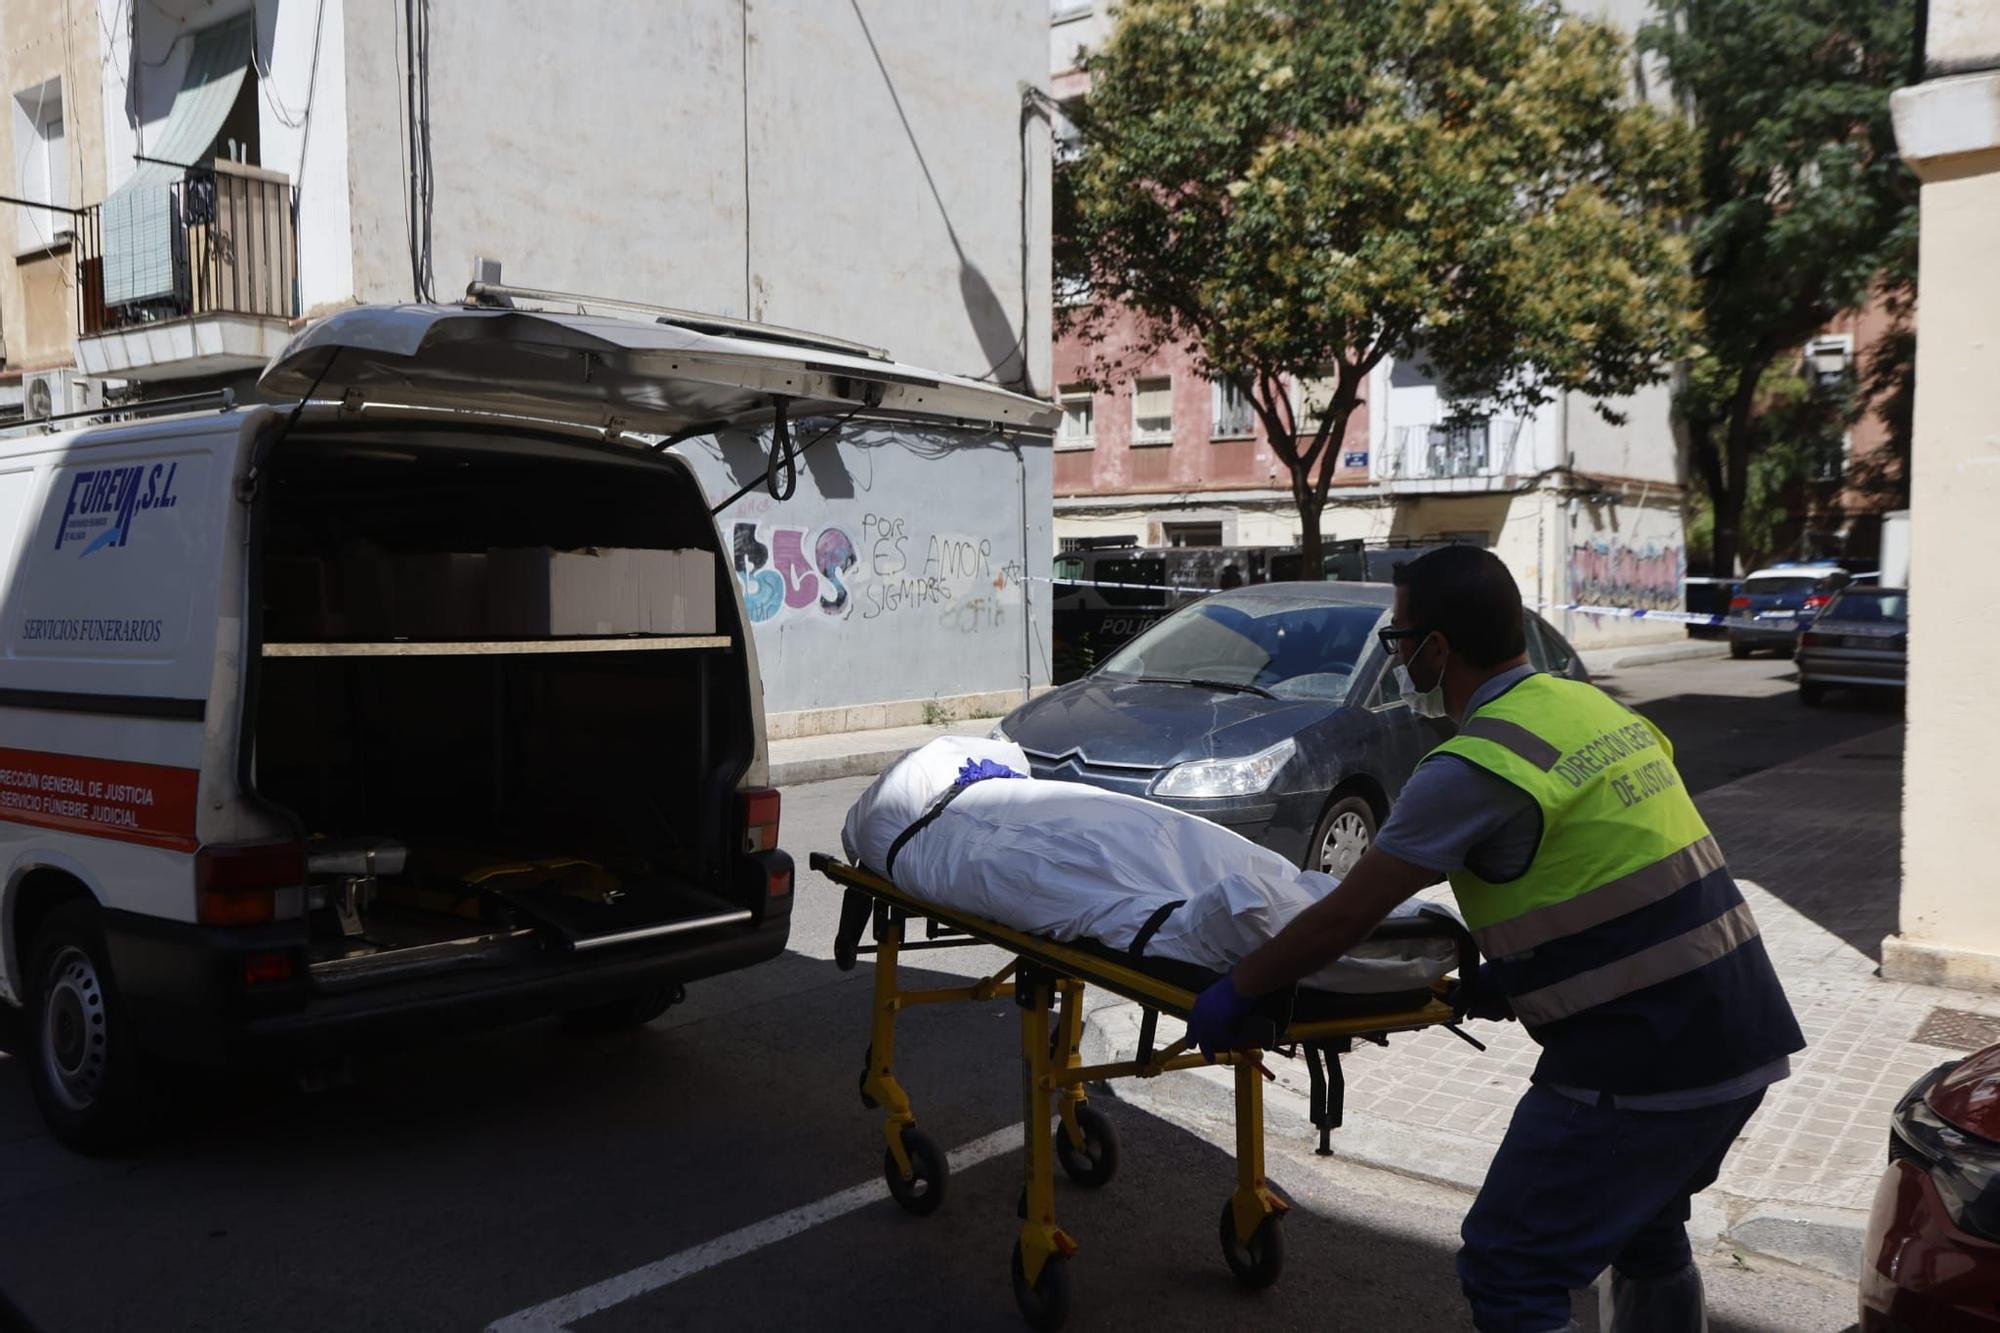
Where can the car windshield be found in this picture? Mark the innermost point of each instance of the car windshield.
(1780, 585)
(1870, 604)
(1289, 647)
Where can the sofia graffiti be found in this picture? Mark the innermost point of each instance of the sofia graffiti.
(781, 575)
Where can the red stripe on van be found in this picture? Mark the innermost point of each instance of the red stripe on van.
(102, 798)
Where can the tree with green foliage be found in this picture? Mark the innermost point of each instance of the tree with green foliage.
(1297, 189)
(1802, 202)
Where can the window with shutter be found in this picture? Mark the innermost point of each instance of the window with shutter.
(1153, 411)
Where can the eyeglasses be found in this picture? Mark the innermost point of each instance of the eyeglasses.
(1389, 637)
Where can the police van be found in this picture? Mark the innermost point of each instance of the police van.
(426, 699)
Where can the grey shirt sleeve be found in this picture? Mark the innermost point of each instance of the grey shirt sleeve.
(1453, 816)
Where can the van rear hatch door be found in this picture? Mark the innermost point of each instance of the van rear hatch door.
(650, 378)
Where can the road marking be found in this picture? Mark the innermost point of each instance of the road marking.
(555, 1316)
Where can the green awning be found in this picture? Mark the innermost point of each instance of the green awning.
(137, 218)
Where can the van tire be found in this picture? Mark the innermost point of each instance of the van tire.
(97, 1089)
(626, 1012)
(1738, 649)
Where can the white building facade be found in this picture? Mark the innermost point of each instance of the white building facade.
(862, 170)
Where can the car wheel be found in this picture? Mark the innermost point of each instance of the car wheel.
(1812, 693)
(1737, 650)
(1345, 831)
(96, 1088)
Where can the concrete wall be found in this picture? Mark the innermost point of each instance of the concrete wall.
(900, 571)
(46, 39)
(863, 171)
(1949, 130)
(857, 170)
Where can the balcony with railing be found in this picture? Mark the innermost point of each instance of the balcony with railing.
(199, 277)
(1470, 455)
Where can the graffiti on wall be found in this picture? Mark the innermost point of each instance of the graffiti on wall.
(880, 567)
(1607, 574)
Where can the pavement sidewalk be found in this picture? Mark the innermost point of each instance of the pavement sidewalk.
(850, 754)
(1815, 844)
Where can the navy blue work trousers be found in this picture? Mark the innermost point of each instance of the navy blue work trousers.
(1578, 1187)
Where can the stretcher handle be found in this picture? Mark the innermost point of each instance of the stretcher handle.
(1430, 927)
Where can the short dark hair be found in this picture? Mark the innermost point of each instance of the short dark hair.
(1468, 595)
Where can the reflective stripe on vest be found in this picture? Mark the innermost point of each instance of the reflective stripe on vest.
(1620, 835)
(1634, 972)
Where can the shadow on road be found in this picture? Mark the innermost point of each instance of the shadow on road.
(462, 1181)
(1719, 738)
(1806, 802)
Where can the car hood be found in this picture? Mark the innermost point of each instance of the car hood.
(1969, 1096)
(1154, 725)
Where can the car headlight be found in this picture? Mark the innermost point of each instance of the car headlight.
(1226, 777)
(999, 732)
(1964, 1167)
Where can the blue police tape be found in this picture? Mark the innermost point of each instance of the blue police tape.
(1633, 613)
(1580, 608)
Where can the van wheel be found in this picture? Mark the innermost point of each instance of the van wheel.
(630, 1011)
(1345, 831)
(1739, 651)
(96, 1088)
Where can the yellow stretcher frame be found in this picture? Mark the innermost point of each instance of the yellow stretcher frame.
(1049, 975)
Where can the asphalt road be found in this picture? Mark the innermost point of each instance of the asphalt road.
(713, 1170)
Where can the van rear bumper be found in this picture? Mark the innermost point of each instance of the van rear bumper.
(182, 988)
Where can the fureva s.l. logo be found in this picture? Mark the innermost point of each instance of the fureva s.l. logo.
(104, 502)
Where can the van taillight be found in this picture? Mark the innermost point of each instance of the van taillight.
(1739, 604)
(1816, 601)
(1811, 640)
(760, 820)
(236, 884)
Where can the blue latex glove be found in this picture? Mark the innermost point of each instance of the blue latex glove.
(1218, 1012)
(1488, 1000)
(979, 770)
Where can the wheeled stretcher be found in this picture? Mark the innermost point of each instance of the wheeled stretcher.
(1047, 980)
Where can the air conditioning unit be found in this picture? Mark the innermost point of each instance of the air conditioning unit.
(55, 393)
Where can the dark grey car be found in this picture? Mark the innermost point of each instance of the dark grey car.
(1267, 709)
(1861, 639)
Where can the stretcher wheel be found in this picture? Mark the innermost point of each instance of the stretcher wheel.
(1096, 1162)
(923, 1193)
(1258, 1264)
(1046, 1304)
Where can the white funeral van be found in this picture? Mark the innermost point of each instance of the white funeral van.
(426, 700)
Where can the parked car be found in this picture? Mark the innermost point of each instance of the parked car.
(1775, 604)
(1269, 710)
(1931, 1260)
(431, 702)
(1861, 639)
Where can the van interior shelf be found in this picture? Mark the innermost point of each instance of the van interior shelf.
(633, 643)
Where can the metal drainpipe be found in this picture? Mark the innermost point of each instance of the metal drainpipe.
(1027, 588)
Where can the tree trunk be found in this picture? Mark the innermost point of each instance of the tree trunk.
(1729, 502)
(1312, 563)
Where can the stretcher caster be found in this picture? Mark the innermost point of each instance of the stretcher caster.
(1096, 1162)
(923, 1192)
(1257, 1264)
(1046, 1304)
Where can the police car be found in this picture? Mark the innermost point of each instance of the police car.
(1774, 605)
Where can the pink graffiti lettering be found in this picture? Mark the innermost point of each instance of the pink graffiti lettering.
(788, 557)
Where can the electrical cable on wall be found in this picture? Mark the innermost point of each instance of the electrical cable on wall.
(417, 35)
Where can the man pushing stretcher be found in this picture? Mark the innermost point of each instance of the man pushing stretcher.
(1613, 931)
